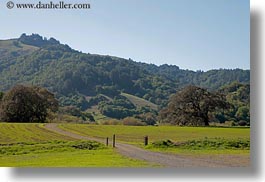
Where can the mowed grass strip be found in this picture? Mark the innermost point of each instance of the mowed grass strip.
(82, 158)
(205, 146)
(64, 154)
(47, 147)
(136, 134)
(25, 132)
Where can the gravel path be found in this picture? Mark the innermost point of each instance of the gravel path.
(163, 159)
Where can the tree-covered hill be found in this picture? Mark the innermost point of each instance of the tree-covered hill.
(79, 78)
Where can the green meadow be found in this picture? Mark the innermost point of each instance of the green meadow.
(188, 140)
(23, 145)
(33, 145)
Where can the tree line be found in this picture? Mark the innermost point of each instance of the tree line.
(191, 106)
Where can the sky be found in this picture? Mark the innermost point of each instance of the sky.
(192, 34)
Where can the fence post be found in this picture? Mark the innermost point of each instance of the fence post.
(113, 144)
(107, 141)
(146, 140)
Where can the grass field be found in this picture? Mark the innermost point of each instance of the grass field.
(16, 133)
(94, 158)
(32, 145)
(135, 135)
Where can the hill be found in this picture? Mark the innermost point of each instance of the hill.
(79, 78)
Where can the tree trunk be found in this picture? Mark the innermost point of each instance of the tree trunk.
(206, 120)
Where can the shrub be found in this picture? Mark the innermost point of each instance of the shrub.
(242, 123)
(131, 121)
(65, 118)
(148, 118)
(111, 122)
(205, 144)
(88, 145)
(234, 123)
(163, 144)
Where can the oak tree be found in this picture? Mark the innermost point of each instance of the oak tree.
(27, 104)
(192, 106)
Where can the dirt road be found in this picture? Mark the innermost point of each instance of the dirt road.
(163, 159)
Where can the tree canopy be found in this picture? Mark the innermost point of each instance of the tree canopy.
(27, 104)
(238, 95)
(192, 106)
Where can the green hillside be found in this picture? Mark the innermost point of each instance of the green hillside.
(108, 83)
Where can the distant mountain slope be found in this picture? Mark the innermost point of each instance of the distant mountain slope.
(75, 76)
(212, 79)
(13, 48)
(10, 50)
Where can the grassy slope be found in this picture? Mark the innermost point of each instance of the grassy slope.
(39, 149)
(139, 102)
(7, 46)
(135, 135)
(15, 133)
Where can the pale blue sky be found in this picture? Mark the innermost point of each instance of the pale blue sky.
(192, 34)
